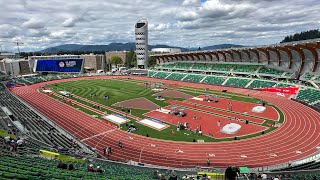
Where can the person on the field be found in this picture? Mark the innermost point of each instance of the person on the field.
(194, 117)
(120, 144)
(219, 123)
(109, 151)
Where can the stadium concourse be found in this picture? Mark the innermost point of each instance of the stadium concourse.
(295, 139)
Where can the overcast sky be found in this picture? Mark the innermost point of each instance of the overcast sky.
(186, 23)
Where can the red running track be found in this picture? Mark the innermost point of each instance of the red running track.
(299, 132)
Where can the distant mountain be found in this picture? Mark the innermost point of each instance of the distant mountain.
(121, 47)
(221, 46)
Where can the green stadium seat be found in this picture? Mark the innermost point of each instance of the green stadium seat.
(181, 65)
(168, 66)
(237, 82)
(194, 78)
(217, 80)
(265, 70)
(308, 76)
(151, 73)
(176, 76)
(261, 84)
(201, 66)
(221, 67)
(281, 85)
(309, 96)
(161, 74)
(245, 68)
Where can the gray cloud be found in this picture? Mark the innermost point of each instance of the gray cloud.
(33, 23)
(187, 23)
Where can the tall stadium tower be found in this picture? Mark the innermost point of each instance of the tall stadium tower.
(141, 32)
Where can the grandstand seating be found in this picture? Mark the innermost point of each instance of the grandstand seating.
(13, 166)
(221, 67)
(176, 76)
(309, 96)
(236, 68)
(66, 76)
(201, 66)
(170, 66)
(317, 105)
(245, 68)
(308, 76)
(281, 85)
(34, 124)
(4, 120)
(217, 80)
(35, 79)
(237, 82)
(318, 78)
(51, 77)
(182, 65)
(306, 166)
(265, 70)
(151, 73)
(19, 167)
(23, 81)
(261, 84)
(161, 74)
(194, 78)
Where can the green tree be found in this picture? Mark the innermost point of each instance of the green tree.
(116, 60)
(312, 34)
(151, 61)
(130, 58)
(133, 63)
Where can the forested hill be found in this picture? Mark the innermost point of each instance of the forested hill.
(305, 35)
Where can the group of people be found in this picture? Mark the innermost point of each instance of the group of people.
(184, 126)
(62, 165)
(91, 168)
(13, 144)
(108, 150)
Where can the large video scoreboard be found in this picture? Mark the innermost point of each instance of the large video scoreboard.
(59, 65)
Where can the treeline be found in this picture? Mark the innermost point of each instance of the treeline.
(305, 35)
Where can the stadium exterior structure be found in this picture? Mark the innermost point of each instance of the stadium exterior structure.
(141, 34)
(165, 50)
(299, 57)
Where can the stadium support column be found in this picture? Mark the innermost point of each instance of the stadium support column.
(141, 34)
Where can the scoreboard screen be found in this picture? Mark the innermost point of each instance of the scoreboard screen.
(59, 65)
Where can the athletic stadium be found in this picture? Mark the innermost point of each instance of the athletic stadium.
(195, 112)
(158, 111)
